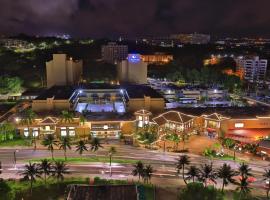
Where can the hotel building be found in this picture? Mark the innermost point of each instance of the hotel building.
(113, 53)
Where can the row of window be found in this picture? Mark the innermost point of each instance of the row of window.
(64, 131)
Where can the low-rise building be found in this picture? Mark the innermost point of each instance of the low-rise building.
(158, 58)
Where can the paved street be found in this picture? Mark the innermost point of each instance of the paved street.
(163, 163)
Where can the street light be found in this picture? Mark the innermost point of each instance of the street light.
(15, 159)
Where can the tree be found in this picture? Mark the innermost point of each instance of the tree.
(66, 116)
(95, 144)
(244, 170)
(182, 161)
(28, 119)
(174, 137)
(231, 144)
(82, 121)
(266, 176)
(45, 168)
(207, 173)
(112, 151)
(226, 173)
(193, 172)
(50, 142)
(243, 187)
(147, 173)
(31, 172)
(138, 169)
(196, 191)
(10, 85)
(7, 128)
(81, 147)
(59, 170)
(65, 144)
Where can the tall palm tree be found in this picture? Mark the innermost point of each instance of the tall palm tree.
(182, 161)
(82, 122)
(244, 170)
(226, 173)
(81, 147)
(50, 142)
(67, 116)
(28, 119)
(45, 168)
(147, 173)
(138, 169)
(112, 151)
(59, 170)
(31, 172)
(193, 172)
(266, 176)
(95, 144)
(243, 187)
(207, 173)
(65, 144)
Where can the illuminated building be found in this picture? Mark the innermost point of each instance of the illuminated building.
(63, 71)
(253, 69)
(158, 58)
(132, 70)
(113, 53)
(194, 38)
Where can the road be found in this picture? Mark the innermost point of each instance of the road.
(163, 163)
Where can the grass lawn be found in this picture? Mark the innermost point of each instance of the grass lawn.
(13, 190)
(226, 157)
(16, 142)
(88, 159)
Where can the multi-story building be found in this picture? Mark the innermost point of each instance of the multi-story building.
(132, 70)
(253, 69)
(113, 53)
(194, 38)
(158, 58)
(63, 71)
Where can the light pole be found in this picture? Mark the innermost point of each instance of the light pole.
(15, 159)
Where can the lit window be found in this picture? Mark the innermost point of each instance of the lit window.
(140, 124)
(71, 131)
(35, 132)
(26, 132)
(239, 125)
(140, 117)
(63, 131)
(47, 128)
(146, 122)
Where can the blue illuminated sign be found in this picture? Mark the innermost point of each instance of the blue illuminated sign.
(134, 58)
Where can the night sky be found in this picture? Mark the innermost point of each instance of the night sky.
(99, 18)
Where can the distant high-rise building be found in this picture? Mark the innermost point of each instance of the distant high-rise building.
(113, 53)
(194, 38)
(253, 69)
(132, 70)
(63, 71)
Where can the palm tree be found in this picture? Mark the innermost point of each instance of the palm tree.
(244, 170)
(59, 170)
(207, 173)
(192, 173)
(65, 144)
(182, 161)
(226, 173)
(50, 142)
(95, 144)
(266, 176)
(66, 116)
(82, 121)
(138, 169)
(81, 147)
(147, 173)
(28, 119)
(45, 168)
(112, 151)
(243, 187)
(31, 172)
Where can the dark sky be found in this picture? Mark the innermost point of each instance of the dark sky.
(100, 18)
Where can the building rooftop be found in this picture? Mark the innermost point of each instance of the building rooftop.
(57, 92)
